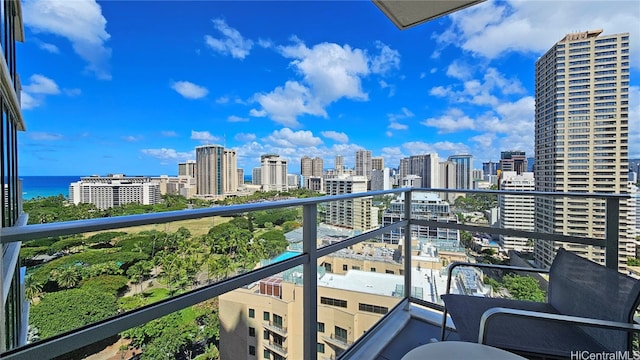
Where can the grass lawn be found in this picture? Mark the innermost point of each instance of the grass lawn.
(196, 226)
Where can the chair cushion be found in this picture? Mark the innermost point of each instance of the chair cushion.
(517, 334)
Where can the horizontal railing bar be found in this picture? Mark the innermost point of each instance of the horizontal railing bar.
(527, 193)
(37, 231)
(78, 338)
(326, 250)
(512, 232)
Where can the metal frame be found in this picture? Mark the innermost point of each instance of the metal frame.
(66, 342)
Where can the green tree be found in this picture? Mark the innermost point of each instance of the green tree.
(523, 288)
(68, 277)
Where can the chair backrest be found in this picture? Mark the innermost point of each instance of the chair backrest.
(581, 287)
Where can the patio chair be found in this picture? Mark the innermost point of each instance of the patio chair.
(589, 308)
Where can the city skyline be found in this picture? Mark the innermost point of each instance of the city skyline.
(138, 98)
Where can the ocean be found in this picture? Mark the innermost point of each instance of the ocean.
(34, 186)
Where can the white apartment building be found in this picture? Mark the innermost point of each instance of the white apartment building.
(273, 172)
(516, 212)
(357, 214)
(581, 140)
(114, 190)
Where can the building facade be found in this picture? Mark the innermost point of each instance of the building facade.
(210, 170)
(357, 214)
(513, 161)
(339, 164)
(463, 165)
(516, 212)
(114, 190)
(273, 173)
(377, 163)
(581, 140)
(187, 168)
(363, 163)
(15, 310)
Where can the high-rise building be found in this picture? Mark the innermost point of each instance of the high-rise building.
(463, 171)
(357, 214)
(210, 173)
(513, 161)
(317, 166)
(377, 163)
(581, 140)
(516, 212)
(339, 164)
(273, 173)
(489, 168)
(15, 310)
(240, 176)
(187, 168)
(230, 165)
(256, 176)
(424, 206)
(363, 163)
(306, 167)
(114, 190)
(425, 166)
(380, 179)
(403, 168)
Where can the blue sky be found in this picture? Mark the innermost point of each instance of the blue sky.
(133, 87)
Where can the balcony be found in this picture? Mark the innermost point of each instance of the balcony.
(276, 328)
(410, 323)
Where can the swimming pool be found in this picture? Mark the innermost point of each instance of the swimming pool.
(284, 256)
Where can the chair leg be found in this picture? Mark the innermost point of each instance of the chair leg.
(444, 324)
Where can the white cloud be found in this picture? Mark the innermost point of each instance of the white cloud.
(43, 136)
(189, 90)
(479, 92)
(287, 138)
(265, 43)
(493, 28)
(336, 136)
(459, 71)
(28, 102)
(169, 133)
(442, 148)
(484, 140)
(131, 138)
(397, 126)
(40, 84)
(203, 136)
(245, 137)
(234, 118)
(168, 154)
(49, 47)
(231, 43)
(222, 100)
(285, 104)
(453, 120)
(329, 72)
(80, 22)
(72, 92)
(440, 91)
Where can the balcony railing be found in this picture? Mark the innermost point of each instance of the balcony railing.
(84, 336)
(277, 348)
(339, 341)
(276, 328)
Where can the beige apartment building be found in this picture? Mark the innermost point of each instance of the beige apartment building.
(216, 171)
(516, 211)
(581, 140)
(357, 214)
(273, 173)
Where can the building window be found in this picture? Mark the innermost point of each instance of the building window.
(252, 350)
(277, 320)
(266, 316)
(373, 269)
(252, 313)
(267, 354)
(341, 334)
(320, 327)
(333, 302)
(389, 272)
(373, 308)
(345, 267)
(265, 335)
(321, 348)
(252, 332)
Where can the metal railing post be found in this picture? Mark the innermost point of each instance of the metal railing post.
(310, 281)
(612, 232)
(407, 245)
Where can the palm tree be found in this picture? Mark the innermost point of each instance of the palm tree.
(32, 289)
(68, 277)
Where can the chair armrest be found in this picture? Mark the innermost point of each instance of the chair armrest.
(490, 314)
(456, 264)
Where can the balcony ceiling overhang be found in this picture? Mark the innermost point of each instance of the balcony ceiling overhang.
(407, 13)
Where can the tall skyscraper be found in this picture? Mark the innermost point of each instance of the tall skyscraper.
(489, 168)
(581, 140)
(256, 176)
(210, 173)
(230, 180)
(317, 166)
(339, 164)
(463, 171)
(513, 161)
(273, 172)
(187, 168)
(306, 167)
(363, 163)
(425, 166)
(377, 163)
(516, 212)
